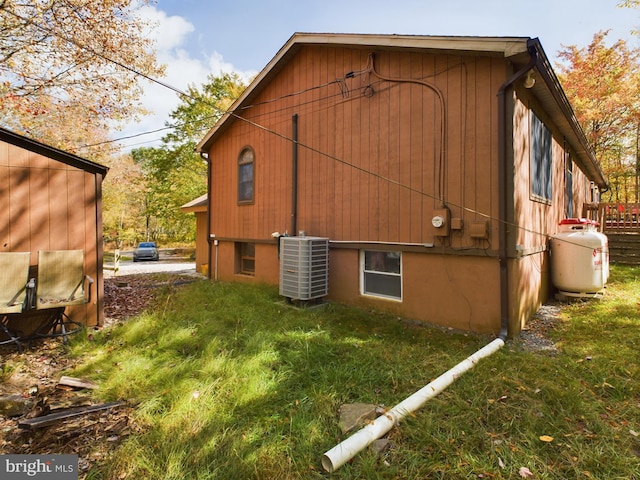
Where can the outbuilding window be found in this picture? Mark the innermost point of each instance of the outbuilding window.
(541, 160)
(381, 274)
(246, 175)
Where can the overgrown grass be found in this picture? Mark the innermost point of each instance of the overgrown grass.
(231, 383)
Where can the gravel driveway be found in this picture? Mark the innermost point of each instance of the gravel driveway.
(130, 268)
(168, 263)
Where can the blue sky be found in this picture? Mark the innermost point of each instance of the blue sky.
(201, 37)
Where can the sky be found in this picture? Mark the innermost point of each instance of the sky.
(196, 38)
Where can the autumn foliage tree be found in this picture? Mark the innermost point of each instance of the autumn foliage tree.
(173, 174)
(69, 69)
(603, 84)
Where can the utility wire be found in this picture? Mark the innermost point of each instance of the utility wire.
(273, 132)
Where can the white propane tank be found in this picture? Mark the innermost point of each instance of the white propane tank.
(579, 258)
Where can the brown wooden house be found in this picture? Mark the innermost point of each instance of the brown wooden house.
(52, 200)
(437, 167)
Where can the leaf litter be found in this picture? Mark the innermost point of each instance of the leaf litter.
(95, 436)
(34, 375)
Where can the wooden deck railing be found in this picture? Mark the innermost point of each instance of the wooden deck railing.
(614, 217)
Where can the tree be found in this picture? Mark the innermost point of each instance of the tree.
(602, 83)
(70, 69)
(123, 202)
(174, 174)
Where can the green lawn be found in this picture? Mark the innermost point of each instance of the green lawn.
(231, 383)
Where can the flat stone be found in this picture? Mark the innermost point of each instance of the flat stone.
(355, 415)
(15, 405)
(380, 446)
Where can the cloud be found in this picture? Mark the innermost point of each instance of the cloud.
(168, 31)
(184, 67)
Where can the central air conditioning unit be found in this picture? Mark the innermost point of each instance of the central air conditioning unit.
(304, 267)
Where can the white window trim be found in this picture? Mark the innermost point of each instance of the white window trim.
(379, 295)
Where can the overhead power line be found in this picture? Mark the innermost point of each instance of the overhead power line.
(268, 130)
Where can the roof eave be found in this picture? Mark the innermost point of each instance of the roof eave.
(52, 152)
(506, 46)
(196, 205)
(555, 101)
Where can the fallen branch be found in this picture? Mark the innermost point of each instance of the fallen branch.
(46, 420)
(77, 382)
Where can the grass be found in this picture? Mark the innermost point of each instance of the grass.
(230, 382)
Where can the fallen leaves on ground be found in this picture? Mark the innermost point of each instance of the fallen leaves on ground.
(525, 472)
(36, 372)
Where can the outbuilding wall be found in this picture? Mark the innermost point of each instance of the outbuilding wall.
(49, 205)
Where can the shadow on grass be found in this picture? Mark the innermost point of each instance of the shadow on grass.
(232, 383)
(230, 380)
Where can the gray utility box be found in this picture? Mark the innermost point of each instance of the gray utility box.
(304, 267)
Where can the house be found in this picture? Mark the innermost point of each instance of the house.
(198, 206)
(52, 200)
(436, 166)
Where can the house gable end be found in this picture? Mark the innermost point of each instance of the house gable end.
(489, 46)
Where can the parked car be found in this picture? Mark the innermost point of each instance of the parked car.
(146, 251)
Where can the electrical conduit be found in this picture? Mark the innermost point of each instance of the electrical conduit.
(350, 447)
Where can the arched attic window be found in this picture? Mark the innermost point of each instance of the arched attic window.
(246, 175)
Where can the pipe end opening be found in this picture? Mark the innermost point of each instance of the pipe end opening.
(327, 464)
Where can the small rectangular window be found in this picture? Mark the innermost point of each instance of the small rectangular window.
(381, 274)
(541, 160)
(246, 258)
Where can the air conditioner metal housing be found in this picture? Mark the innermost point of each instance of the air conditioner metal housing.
(304, 267)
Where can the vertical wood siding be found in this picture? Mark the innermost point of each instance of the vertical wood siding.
(48, 205)
(370, 166)
(373, 167)
(537, 220)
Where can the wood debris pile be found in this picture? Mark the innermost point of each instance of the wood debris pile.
(56, 414)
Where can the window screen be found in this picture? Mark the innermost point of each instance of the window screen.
(246, 258)
(382, 274)
(541, 141)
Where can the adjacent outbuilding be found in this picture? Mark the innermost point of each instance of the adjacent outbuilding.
(51, 200)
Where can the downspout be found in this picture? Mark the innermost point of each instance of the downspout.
(98, 179)
(294, 175)
(503, 184)
(347, 449)
(205, 157)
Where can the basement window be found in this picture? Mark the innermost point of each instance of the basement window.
(541, 160)
(246, 258)
(381, 274)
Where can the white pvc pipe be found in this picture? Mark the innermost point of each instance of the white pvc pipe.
(351, 446)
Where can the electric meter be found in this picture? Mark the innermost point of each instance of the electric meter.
(437, 221)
